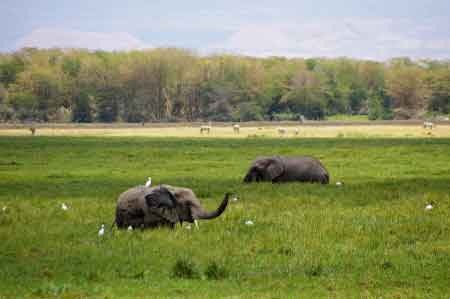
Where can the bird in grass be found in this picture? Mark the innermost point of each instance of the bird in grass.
(339, 184)
(64, 207)
(428, 207)
(149, 182)
(101, 232)
(249, 222)
(130, 228)
(4, 208)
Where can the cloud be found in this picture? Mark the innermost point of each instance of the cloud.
(376, 38)
(50, 38)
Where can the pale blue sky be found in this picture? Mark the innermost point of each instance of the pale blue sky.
(361, 29)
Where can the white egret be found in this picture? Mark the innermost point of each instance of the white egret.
(101, 232)
(130, 228)
(4, 208)
(149, 182)
(64, 207)
(428, 207)
(338, 184)
(249, 222)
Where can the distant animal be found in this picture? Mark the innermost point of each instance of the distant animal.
(236, 128)
(205, 129)
(282, 131)
(161, 206)
(33, 131)
(296, 131)
(428, 125)
(279, 169)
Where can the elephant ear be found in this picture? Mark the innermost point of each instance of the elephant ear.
(275, 168)
(163, 203)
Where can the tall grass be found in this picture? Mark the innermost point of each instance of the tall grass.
(369, 238)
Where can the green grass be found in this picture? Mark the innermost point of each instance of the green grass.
(347, 117)
(370, 238)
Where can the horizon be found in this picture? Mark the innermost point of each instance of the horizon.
(377, 30)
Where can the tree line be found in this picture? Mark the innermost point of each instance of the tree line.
(169, 84)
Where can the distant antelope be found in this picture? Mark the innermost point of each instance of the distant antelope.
(427, 125)
(236, 128)
(296, 131)
(282, 131)
(205, 128)
(33, 131)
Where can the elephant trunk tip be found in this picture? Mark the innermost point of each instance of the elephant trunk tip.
(218, 212)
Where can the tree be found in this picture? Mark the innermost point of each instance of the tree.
(439, 85)
(10, 68)
(82, 108)
(306, 95)
(406, 86)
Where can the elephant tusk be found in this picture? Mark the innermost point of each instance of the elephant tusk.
(196, 223)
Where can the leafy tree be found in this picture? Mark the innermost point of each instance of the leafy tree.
(82, 108)
(174, 84)
(406, 87)
(10, 68)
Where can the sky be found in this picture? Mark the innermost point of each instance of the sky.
(370, 29)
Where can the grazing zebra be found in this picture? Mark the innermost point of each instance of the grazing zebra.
(428, 125)
(282, 131)
(206, 129)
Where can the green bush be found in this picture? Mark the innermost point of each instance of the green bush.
(215, 271)
(185, 268)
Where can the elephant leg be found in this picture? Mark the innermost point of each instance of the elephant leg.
(134, 223)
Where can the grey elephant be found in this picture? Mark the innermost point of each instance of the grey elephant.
(164, 205)
(278, 169)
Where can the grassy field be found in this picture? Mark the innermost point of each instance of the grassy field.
(264, 130)
(348, 117)
(370, 238)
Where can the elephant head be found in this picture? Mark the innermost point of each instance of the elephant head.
(161, 206)
(265, 169)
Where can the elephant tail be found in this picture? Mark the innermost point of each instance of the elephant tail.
(216, 213)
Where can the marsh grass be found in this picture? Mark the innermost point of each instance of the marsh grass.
(370, 238)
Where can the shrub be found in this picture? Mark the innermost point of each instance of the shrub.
(185, 268)
(215, 271)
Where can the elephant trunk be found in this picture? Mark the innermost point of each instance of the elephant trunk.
(250, 176)
(210, 215)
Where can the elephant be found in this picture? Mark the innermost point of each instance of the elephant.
(279, 169)
(161, 206)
